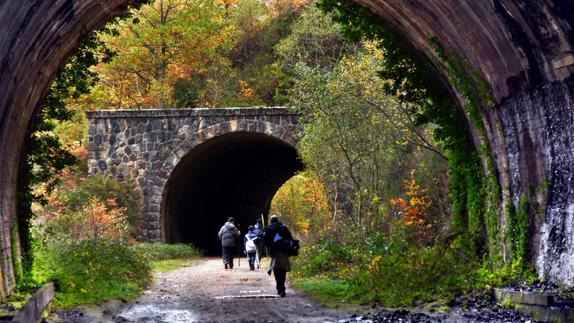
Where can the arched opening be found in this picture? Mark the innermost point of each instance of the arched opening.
(43, 33)
(235, 174)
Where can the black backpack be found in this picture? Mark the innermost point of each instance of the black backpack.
(289, 247)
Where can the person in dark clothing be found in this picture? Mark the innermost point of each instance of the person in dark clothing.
(250, 246)
(260, 232)
(228, 234)
(280, 264)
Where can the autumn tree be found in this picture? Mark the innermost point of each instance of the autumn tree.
(303, 206)
(314, 41)
(361, 142)
(163, 43)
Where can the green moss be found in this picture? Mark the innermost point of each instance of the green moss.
(416, 79)
(518, 231)
(170, 264)
(483, 221)
(477, 199)
(16, 260)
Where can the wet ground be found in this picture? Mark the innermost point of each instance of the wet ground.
(205, 292)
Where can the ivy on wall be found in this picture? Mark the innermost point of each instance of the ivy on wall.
(415, 79)
(45, 156)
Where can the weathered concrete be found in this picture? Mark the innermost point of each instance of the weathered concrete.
(37, 304)
(522, 49)
(540, 306)
(146, 147)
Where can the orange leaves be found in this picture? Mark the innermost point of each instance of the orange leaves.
(246, 92)
(414, 207)
(104, 220)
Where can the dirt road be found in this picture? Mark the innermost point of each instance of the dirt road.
(205, 292)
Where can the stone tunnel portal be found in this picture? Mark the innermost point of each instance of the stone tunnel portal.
(235, 174)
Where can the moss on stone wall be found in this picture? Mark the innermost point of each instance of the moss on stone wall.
(477, 96)
(475, 191)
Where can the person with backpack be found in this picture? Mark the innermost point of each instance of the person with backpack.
(250, 246)
(228, 234)
(277, 236)
(260, 233)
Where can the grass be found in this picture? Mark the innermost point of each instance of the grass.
(330, 292)
(164, 251)
(163, 265)
(91, 272)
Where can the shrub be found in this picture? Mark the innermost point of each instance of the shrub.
(105, 189)
(385, 267)
(163, 251)
(89, 271)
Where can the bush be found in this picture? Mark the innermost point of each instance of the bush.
(385, 268)
(91, 271)
(123, 194)
(163, 251)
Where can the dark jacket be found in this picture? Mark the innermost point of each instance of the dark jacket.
(269, 239)
(259, 231)
(228, 234)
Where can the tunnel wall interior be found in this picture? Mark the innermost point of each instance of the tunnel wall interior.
(520, 48)
(231, 175)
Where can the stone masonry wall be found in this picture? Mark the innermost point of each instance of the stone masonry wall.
(145, 146)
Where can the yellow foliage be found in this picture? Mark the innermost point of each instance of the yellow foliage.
(302, 204)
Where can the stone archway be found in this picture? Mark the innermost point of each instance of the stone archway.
(523, 50)
(147, 147)
(230, 171)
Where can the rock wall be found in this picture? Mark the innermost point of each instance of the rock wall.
(537, 144)
(145, 146)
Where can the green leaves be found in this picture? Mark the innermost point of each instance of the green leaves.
(90, 271)
(355, 137)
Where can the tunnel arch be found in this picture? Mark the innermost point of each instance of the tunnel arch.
(523, 50)
(228, 169)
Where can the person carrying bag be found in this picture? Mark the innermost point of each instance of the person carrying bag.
(281, 246)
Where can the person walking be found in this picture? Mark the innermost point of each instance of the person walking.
(228, 234)
(250, 246)
(259, 230)
(275, 234)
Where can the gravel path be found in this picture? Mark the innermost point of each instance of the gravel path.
(205, 292)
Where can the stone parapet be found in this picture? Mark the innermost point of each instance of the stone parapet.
(145, 146)
(200, 112)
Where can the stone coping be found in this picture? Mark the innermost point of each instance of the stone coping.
(198, 112)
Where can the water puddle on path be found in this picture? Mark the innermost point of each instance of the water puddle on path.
(156, 314)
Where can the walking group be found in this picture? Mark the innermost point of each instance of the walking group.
(276, 240)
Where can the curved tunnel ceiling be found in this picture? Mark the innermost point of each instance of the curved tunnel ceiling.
(513, 44)
(235, 175)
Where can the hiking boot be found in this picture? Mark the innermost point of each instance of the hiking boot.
(282, 294)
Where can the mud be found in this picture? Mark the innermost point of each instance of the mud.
(206, 292)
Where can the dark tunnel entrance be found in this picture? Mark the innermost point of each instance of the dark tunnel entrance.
(236, 174)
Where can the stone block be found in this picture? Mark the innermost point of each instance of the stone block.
(518, 297)
(33, 309)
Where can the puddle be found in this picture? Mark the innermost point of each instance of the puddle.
(247, 296)
(156, 314)
(250, 291)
